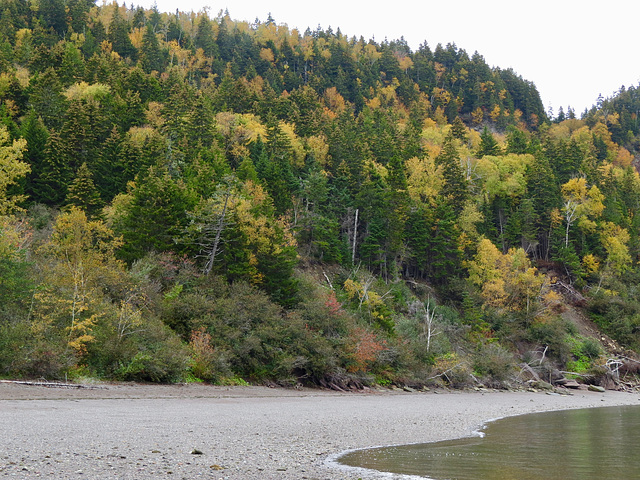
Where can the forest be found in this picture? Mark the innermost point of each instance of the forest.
(190, 198)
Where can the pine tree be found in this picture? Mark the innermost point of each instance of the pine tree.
(204, 38)
(455, 189)
(83, 193)
(53, 180)
(488, 144)
(119, 36)
(36, 135)
(150, 54)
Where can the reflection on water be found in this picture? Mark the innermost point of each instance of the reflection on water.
(589, 444)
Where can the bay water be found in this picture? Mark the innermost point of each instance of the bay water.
(586, 444)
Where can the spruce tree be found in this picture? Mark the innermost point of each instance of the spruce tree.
(50, 186)
(36, 135)
(151, 55)
(488, 144)
(83, 193)
(204, 38)
(119, 36)
(455, 189)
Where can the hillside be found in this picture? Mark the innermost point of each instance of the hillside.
(196, 198)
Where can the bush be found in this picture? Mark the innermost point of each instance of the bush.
(493, 363)
(158, 355)
(207, 363)
(618, 316)
(552, 332)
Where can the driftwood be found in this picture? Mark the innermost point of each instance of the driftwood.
(526, 368)
(569, 292)
(51, 384)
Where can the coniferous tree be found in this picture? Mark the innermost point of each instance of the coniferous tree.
(488, 144)
(109, 172)
(83, 193)
(516, 141)
(53, 15)
(78, 14)
(46, 98)
(458, 130)
(50, 186)
(455, 189)
(36, 135)
(155, 218)
(205, 38)
(150, 53)
(119, 36)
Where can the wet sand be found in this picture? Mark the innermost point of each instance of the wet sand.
(126, 431)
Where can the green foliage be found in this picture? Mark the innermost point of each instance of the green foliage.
(236, 169)
(618, 316)
(154, 218)
(493, 363)
(552, 333)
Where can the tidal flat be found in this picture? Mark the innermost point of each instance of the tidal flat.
(131, 431)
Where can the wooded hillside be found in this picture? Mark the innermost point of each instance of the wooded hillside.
(194, 198)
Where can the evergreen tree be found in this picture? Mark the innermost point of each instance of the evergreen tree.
(155, 218)
(150, 53)
(204, 38)
(444, 252)
(119, 36)
(53, 15)
(83, 193)
(78, 14)
(46, 98)
(50, 186)
(458, 130)
(516, 141)
(488, 144)
(455, 189)
(109, 171)
(36, 135)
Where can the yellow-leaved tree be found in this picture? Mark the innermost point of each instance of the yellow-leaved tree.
(614, 239)
(12, 169)
(581, 204)
(81, 264)
(508, 281)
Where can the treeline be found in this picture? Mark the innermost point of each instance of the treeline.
(195, 197)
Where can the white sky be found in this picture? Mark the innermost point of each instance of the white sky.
(573, 50)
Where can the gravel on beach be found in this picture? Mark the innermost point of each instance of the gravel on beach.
(128, 431)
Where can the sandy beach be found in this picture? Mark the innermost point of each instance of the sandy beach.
(125, 431)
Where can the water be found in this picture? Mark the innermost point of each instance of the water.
(588, 444)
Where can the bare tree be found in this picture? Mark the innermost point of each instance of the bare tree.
(211, 224)
(210, 250)
(426, 314)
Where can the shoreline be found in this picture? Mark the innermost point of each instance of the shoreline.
(129, 431)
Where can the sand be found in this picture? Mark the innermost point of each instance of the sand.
(128, 431)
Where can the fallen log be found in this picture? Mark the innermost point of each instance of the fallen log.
(52, 384)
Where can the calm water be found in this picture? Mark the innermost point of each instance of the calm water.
(589, 444)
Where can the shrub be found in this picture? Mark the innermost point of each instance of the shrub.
(160, 356)
(551, 332)
(207, 363)
(492, 362)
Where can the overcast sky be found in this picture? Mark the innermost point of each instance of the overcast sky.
(573, 50)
